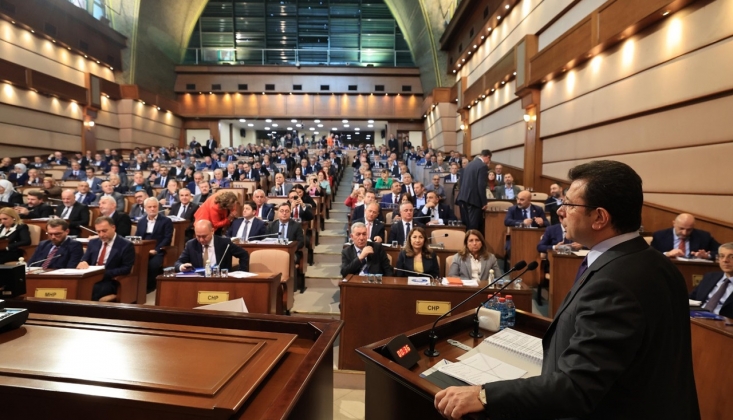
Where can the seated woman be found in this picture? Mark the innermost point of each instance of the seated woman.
(8, 195)
(384, 182)
(298, 176)
(474, 261)
(314, 188)
(16, 232)
(417, 256)
(324, 183)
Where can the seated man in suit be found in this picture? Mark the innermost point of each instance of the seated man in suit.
(263, 210)
(83, 195)
(393, 199)
(205, 189)
(553, 202)
(107, 207)
(219, 250)
(300, 211)
(108, 191)
(555, 235)
(683, 240)
(249, 173)
(715, 291)
(407, 186)
(248, 226)
(279, 188)
(111, 250)
(435, 186)
(35, 208)
(161, 181)
(169, 195)
(58, 251)
(370, 196)
(184, 209)
(508, 191)
(193, 186)
(525, 213)
(433, 212)
(74, 174)
(137, 210)
(399, 230)
(364, 256)
(76, 214)
(95, 184)
(284, 226)
(139, 183)
(375, 227)
(160, 228)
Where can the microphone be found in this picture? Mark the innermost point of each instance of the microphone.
(89, 230)
(54, 199)
(224, 254)
(445, 235)
(476, 333)
(430, 351)
(269, 213)
(264, 236)
(40, 261)
(415, 272)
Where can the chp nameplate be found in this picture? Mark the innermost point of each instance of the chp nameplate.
(207, 298)
(50, 293)
(429, 307)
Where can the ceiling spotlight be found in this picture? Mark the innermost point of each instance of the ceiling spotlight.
(316, 121)
(320, 125)
(312, 129)
(289, 128)
(111, 68)
(483, 37)
(345, 121)
(454, 71)
(370, 125)
(85, 56)
(334, 129)
(267, 128)
(503, 82)
(242, 120)
(268, 120)
(97, 61)
(469, 107)
(475, 46)
(463, 60)
(298, 125)
(424, 116)
(371, 121)
(665, 13)
(469, 53)
(317, 132)
(514, 74)
(498, 18)
(274, 125)
(346, 126)
(506, 7)
(158, 108)
(357, 129)
(489, 29)
(293, 120)
(459, 65)
(32, 31)
(250, 125)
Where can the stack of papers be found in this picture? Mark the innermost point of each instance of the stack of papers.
(470, 283)
(481, 369)
(75, 271)
(241, 274)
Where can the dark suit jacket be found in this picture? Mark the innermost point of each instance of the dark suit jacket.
(515, 216)
(444, 212)
(258, 228)
(119, 199)
(397, 231)
(473, 184)
(359, 214)
(121, 258)
(706, 286)
(295, 231)
(67, 256)
(267, 212)
(305, 215)
(618, 348)
(388, 199)
(69, 175)
(253, 174)
(190, 210)
(79, 216)
(123, 224)
(430, 265)
(377, 229)
(15, 198)
(552, 236)
(663, 241)
(137, 211)
(88, 198)
(377, 263)
(21, 236)
(551, 208)
(41, 211)
(95, 185)
(192, 253)
(162, 232)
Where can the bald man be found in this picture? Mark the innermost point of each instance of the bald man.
(683, 240)
(218, 248)
(525, 213)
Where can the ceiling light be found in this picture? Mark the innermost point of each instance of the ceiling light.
(85, 56)
(424, 116)
(158, 108)
(242, 120)
(316, 121)
(312, 129)
(267, 128)
(250, 125)
(475, 46)
(298, 125)
(289, 128)
(97, 61)
(346, 126)
(514, 74)
(274, 125)
(345, 121)
(503, 82)
(463, 60)
(268, 120)
(370, 121)
(469, 107)
(317, 132)
(293, 120)
(334, 129)
(506, 7)
(370, 126)
(111, 68)
(498, 17)
(320, 125)
(489, 30)
(357, 129)
(32, 31)
(665, 13)
(483, 37)
(469, 53)
(459, 64)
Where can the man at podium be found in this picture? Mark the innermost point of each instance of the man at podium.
(619, 346)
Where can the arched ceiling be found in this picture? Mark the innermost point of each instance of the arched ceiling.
(159, 31)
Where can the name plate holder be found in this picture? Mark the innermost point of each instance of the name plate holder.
(429, 307)
(209, 297)
(50, 293)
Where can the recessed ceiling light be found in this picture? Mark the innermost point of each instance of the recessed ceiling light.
(370, 126)
(346, 126)
(267, 128)
(274, 125)
(506, 7)
(345, 121)
(317, 132)
(298, 125)
(158, 108)
(371, 121)
(312, 129)
(250, 125)
(242, 120)
(293, 120)
(320, 125)
(289, 128)
(268, 120)
(357, 129)
(317, 121)
(334, 129)
(498, 17)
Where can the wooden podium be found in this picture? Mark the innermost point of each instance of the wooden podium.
(395, 393)
(116, 361)
(395, 306)
(261, 294)
(524, 247)
(62, 286)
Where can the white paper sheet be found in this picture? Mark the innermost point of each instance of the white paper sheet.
(241, 274)
(481, 369)
(582, 252)
(236, 305)
(74, 271)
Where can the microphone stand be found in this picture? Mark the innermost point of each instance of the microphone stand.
(432, 337)
(432, 278)
(476, 333)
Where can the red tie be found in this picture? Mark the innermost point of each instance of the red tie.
(100, 261)
(297, 212)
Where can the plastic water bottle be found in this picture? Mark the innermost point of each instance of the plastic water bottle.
(511, 311)
(207, 269)
(502, 308)
(491, 276)
(490, 302)
(21, 261)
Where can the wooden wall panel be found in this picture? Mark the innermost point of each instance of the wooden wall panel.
(572, 44)
(615, 16)
(323, 105)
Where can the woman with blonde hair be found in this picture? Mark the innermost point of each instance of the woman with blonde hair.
(15, 232)
(417, 256)
(474, 261)
(220, 209)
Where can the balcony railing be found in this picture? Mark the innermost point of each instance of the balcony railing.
(293, 57)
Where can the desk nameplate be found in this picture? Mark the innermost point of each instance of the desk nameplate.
(50, 293)
(208, 297)
(429, 307)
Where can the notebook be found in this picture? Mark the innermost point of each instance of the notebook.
(512, 347)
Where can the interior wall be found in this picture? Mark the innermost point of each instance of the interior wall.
(658, 102)
(201, 135)
(226, 137)
(440, 126)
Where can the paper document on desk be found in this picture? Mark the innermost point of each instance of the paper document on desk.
(481, 369)
(695, 303)
(469, 283)
(74, 271)
(694, 260)
(241, 274)
(514, 348)
(236, 305)
(582, 252)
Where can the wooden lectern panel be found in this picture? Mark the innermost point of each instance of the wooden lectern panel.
(175, 370)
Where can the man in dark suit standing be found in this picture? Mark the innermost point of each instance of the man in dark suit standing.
(184, 209)
(525, 213)
(123, 225)
(393, 144)
(247, 226)
(76, 214)
(399, 230)
(114, 252)
(58, 251)
(619, 346)
(160, 228)
(553, 203)
(715, 291)
(364, 256)
(216, 249)
(284, 226)
(683, 240)
(472, 196)
(375, 227)
(209, 147)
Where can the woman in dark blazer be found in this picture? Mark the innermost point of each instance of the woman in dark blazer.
(8, 195)
(417, 256)
(16, 232)
(474, 261)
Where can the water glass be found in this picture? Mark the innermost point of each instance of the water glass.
(394, 244)
(169, 272)
(564, 249)
(518, 283)
(378, 278)
(224, 272)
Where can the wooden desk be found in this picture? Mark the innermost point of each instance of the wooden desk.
(393, 392)
(261, 294)
(288, 296)
(77, 287)
(563, 269)
(495, 231)
(712, 345)
(392, 310)
(524, 247)
(140, 271)
(442, 254)
(167, 364)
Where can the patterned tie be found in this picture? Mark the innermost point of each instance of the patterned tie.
(407, 231)
(100, 260)
(713, 302)
(369, 230)
(282, 230)
(65, 214)
(245, 232)
(182, 211)
(581, 269)
(49, 257)
(682, 247)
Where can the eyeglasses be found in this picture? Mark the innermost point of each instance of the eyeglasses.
(566, 204)
(726, 258)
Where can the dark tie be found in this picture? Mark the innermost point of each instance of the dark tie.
(100, 260)
(713, 302)
(182, 211)
(244, 231)
(49, 257)
(526, 213)
(581, 269)
(407, 232)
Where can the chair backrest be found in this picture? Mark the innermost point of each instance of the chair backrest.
(133, 230)
(276, 201)
(521, 187)
(448, 262)
(539, 196)
(454, 240)
(539, 204)
(270, 261)
(388, 218)
(499, 205)
(648, 239)
(35, 234)
(70, 184)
